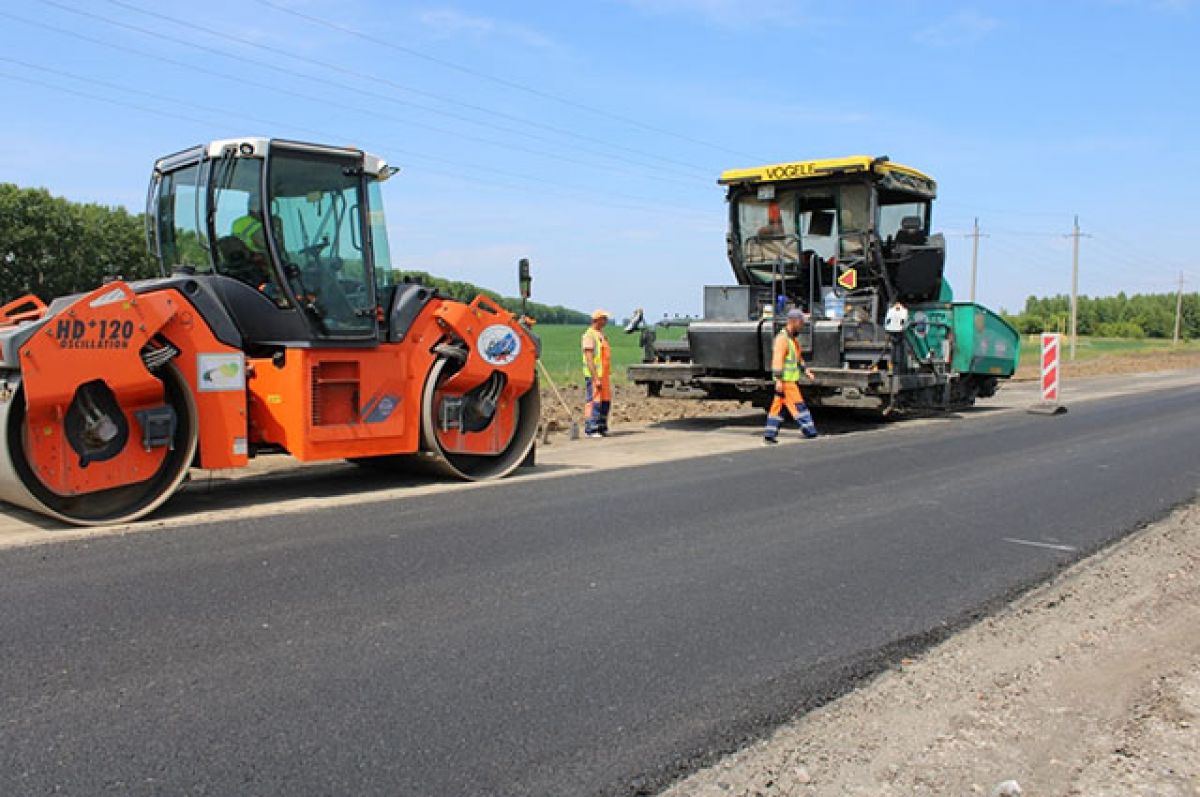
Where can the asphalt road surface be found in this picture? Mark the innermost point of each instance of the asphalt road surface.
(596, 634)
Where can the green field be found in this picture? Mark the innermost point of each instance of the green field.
(1090, 348)
(561, 350)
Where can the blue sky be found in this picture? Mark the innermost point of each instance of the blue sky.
(588, 136)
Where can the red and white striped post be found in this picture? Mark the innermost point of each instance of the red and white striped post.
(1051, 374)
(1050, 350)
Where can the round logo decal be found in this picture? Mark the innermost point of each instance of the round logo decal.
(499, 345)
(920, 324)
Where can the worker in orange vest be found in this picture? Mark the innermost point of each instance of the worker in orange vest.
(786, 365)
(597, 376)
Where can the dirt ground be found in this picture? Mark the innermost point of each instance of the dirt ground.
(1089, 685)
(631, 405)
(1107, 365)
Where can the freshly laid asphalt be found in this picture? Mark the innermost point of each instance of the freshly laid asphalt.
(593, 634)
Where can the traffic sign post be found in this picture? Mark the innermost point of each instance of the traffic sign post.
(1050, 403)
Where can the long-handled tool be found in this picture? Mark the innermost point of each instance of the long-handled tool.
(525, 283)
(574, 433)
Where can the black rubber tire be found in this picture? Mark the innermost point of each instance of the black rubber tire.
(481, 468)
(119, 504)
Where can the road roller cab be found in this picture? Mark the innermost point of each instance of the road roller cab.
(276, 326)
(292, 235)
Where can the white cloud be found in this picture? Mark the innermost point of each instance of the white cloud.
(1167, 6)
(451, 23)
(965, 27)
(728, 13)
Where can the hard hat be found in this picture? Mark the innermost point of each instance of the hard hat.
(795, 313)
(598, 313)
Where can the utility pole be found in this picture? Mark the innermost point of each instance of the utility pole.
(1178, 310)
(976, 235)
(1076, 235)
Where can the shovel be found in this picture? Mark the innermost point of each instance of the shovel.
(574, 433)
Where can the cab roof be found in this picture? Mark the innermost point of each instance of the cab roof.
(258, 146)
(806, 170)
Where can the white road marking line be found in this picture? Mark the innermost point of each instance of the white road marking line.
(1051, 546)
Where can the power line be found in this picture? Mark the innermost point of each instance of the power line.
(222, 34)
(273, 123)
(511, 84)
(1135, 252)
(996, 211)
(473, 178)
(1021, 251)
(1108, 261)
(1131, 254)
(1005, 230)
(354, 90)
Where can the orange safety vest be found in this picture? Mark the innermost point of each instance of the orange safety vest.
(601, 354)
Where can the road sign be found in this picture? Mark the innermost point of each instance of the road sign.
(1050, 367)
(1050, 403)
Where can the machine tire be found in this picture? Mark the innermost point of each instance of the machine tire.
(119, 504)
(433, 459)
(479, 468)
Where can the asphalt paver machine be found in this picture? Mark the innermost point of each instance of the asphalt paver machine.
(849, 241)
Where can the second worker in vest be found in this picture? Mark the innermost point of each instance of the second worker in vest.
(786, 366)
(597, 376)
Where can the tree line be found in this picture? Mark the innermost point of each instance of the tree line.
(51, 246)
(1149, 315)
(466, 291)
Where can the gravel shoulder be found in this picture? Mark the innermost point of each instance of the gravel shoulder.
(1087, 685)
(1113, 364)
(631, 405)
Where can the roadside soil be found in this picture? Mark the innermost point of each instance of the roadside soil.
(631, 405)
(1088, 685)
(1108, 365)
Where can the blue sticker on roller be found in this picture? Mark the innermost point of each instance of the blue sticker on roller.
(379, 410)
(499, 345)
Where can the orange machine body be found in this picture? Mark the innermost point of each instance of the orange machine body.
(100, 337)
(337, 403)
(318, 403)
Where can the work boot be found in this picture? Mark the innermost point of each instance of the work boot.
(770, 440)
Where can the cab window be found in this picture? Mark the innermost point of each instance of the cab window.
(316, 220)
(239, 226)
(854, 220)
(767, 228)
(179, 220)
(381, 252)
(892, 214)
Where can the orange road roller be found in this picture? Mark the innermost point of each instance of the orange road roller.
(277, 326)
